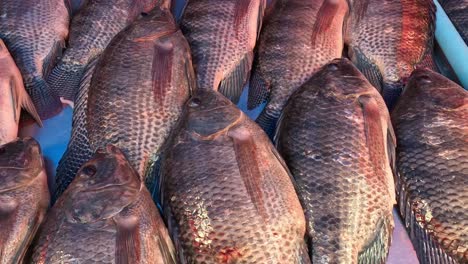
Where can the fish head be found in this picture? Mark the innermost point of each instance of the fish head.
(209, 112)
(102, 188)
(433, 90)
(341, 78)
(20, 162)
(152, 26)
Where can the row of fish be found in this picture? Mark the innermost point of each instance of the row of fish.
(227, 195)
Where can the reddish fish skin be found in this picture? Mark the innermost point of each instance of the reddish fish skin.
(35, 33)
(227, 195)
(387, 39)
(24, 197)
(299, 37)
(13, 96)
(222, 36)
(106, 216)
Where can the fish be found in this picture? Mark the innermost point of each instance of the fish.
(106, 215)
(135, 97)
(91, 31)
(35, 34)
(299, 38)
(336, 137)
(24, 197)
(431, 126)
(13, 97)
(226, 194)
(387, 39)
(222, 37)
(457, 11)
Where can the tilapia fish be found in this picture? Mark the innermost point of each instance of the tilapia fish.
(299, 38)
(387, 39)
(227, 195)
(135, 97)
(91, 31)
(13, 96)
(35, 33)
(24, 197)
(335, 135)
(457, 11)
(106, 216)
(431, 124)
(222, 36)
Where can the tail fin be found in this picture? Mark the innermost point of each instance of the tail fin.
(46, 101)
(267, 121)
(64, 80)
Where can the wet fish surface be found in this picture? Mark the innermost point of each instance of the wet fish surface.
(387, 39)
(336, 137)
(106, 216)
(91, 30)
(13, 97)
(222, 36)
(299, 37)
(24, 197)
(431, 124)
(135, 96)
(227, 195)
(35, 33)
(457, 11)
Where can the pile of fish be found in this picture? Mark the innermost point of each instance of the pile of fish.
(163, 167)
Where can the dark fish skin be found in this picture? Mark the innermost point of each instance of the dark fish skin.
(137, 92)
(431, 125)
(24, 197)
(336, 138)
(106, 216)
(457, 11)
(222, 36)
(387, 39)
(91, 31)
(227, 195)
(35, 33)
(299, 37)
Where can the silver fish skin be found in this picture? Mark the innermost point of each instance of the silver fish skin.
(24, 197)
(106, 216)
(336, 137)
(226, 194)
(35, 33)
(431, 125)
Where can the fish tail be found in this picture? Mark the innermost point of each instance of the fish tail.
(46, 101)
(391, 91)
(267, 120)
(377, 250)
(65, 80)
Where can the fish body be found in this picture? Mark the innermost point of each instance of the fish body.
(106, 216)
(299, 37)
(222, 36)
(13, 96)
(91, 30)
(24, 197)
(135, 96)
(387, 39)
(336, 138)
(431, 125)
(457, 11)
(35, 33)
(226, 193)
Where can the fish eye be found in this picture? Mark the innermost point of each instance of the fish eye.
(195, 102)
(424, 79)
(89, 170)
(144, 14)
(333, 66)
(2, 151)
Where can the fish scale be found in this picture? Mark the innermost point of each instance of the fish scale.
(121, 107)
(333, 137)
(35, 34)
(227, 196)
(432, 159)
(457, 11)
(290, 50)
